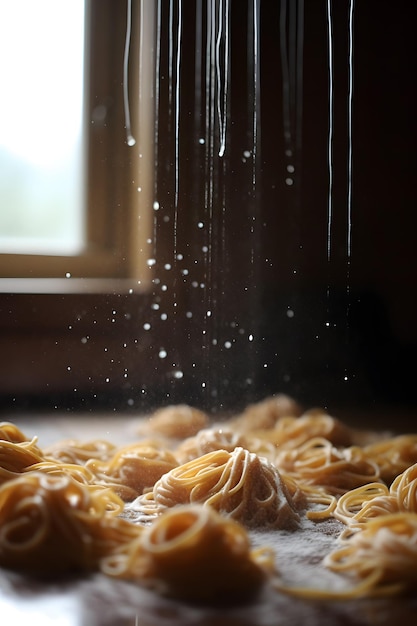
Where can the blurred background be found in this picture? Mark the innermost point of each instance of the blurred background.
(242, 272)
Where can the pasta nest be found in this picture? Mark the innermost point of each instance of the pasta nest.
(238, 484)
(393, 455)
(383, 553)
(79, 452)
(15, 458)
(358, 506)
(133, 469)
(264, 415)
(176, 421)
(192, 553)
(209, 440)
(317, 462)
(51, 524)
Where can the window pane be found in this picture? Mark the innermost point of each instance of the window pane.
(41, 116)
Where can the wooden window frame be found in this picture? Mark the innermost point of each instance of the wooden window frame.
(118, 219)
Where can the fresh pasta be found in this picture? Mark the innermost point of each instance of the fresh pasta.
(16, 457)
(318, 462)
(51, 524)
(177, 509)
(132, 469)
(238, 484)
(193, 553)
(78, 452)
(176, 422)
(383, 554)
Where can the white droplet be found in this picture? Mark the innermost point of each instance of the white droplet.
(167, 266)
(156, 205)
(250, 337)
(180, 257)
(178, 374)
(151, 262)
(227, 344)
(147, 326)
(290, 168)
(246, 154)
(290, 313)
(131, 141)
(289, 181)
(163, 354)
(164, 317)
(201, 141)
(68, 275)
(200, 224)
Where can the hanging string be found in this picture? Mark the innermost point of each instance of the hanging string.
(330, 131)
(129, 137)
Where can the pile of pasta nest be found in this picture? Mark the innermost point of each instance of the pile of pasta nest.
(173, 510)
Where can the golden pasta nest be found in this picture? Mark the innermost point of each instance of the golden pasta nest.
(209, 440)
(238, 484)
(175, 422)
(10, 432)
(393, 455)
(265, 414)
(79, 452)
(51, 524)
(383, 553)
(193, 553)
(292, 432)
(317, 462)
(16, 457)
(356, 507)
(133, 469)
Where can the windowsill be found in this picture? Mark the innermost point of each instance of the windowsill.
(73, 286)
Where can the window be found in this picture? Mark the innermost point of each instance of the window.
(69, 180)
(41, 115)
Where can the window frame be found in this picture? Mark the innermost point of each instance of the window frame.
(118, 220)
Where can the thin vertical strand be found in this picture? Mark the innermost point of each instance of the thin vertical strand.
(350, 143)
(330, 132)
(299, 79)
(219, 81)
(170, 54)
(177, 112)
(129, 137)
(285, 74)
(292, 57)
(156, 116)
(256, 88)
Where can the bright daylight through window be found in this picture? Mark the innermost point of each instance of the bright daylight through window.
(41, 121)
